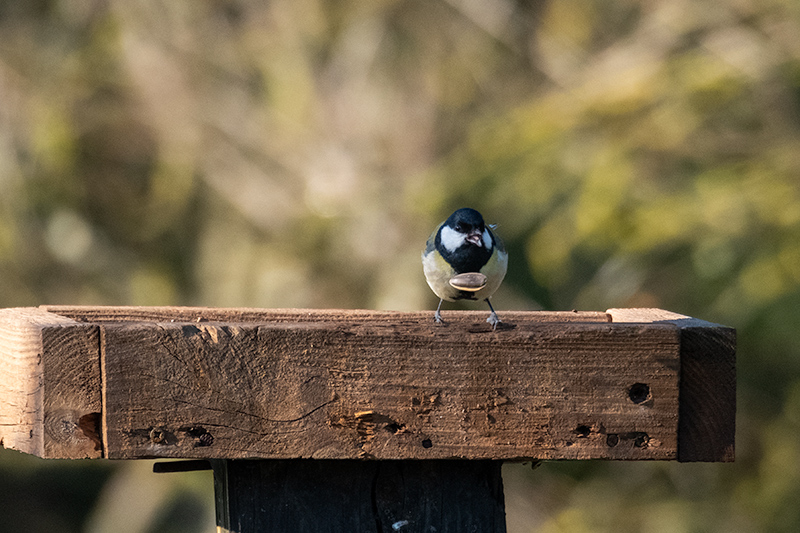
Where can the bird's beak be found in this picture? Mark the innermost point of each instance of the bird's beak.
(476, 238)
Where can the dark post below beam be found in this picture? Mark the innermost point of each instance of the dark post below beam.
(346, 496)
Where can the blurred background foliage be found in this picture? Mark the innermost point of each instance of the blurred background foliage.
(297, 153)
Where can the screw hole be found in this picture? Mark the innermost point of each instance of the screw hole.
(639, 393)
(427, 443)
(206, 439)
(157, 435)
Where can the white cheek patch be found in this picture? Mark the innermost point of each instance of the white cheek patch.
(487, 239)
(451, 239)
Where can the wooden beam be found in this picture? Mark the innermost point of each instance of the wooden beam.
(49, 384)
(707, 416)
(250, 383)
(379, 389)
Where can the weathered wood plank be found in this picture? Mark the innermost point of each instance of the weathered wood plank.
(306, 496)
(391, 386)
(50, 379)
(102, 314)
(707, 416)
(49, 384)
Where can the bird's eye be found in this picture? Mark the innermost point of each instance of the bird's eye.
(460, 227)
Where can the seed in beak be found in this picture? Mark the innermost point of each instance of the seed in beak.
(469, 281)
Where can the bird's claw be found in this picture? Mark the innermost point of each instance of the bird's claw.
(437, 316)
(493, 320)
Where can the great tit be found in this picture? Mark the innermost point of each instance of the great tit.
(464, 260)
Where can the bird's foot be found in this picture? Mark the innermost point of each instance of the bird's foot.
(493, 320)
(437, 316)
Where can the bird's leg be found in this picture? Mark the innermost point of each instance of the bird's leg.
(493, 318)
(437, 316)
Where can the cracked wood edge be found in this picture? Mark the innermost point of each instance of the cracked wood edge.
(49, 384)
(707, 416)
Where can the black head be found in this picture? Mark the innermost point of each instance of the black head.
(464, 241)
(466, 220)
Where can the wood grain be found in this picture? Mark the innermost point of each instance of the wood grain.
(103, 314)
(49, 384)
(707, 416)
(286, 383)
(390, 386)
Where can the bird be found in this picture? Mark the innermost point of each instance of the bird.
(464, 260)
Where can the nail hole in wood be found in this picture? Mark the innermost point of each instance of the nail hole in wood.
(639, 393)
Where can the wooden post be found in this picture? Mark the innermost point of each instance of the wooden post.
(335, 496)
(360, 420)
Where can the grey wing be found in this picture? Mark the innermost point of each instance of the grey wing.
(498, 242)
(431, 244)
